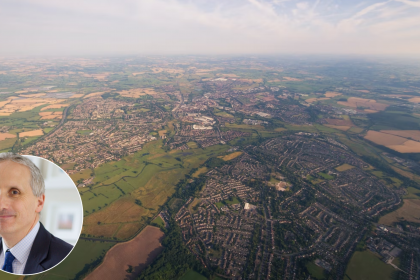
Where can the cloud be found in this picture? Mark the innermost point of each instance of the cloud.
(204, 26)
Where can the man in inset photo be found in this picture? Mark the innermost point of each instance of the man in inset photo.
(26, 247)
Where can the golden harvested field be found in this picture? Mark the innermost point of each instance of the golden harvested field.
(363, 90)
(169, 70)
(138, 73)
(410, 211)
(357, 102)
(339, 122)
(99, 77)
(251, 80)
(37, 132)
(384, 139)
(344, 167)
(93, 94)
(408, 147)
(137, 92)
(127, 211)
(311, 100)
(290, 79)
(230, 156)
(55, 106)
(138, 253)
(332, 94)
(18, 104)
(4, 136)
(77, 95)
(51, 115)
(162, 133)
(394, 142)
(107, 230)
(228, 75)
(339, 127)
(414, 99)
(127, 230)
(413, 134)
(21, 91)
(370, 111)
(32, 95)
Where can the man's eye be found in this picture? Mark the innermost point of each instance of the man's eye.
(15, 192)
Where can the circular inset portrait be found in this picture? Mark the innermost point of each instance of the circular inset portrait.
(41, 214)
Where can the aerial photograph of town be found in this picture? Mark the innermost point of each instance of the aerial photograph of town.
(212, 165)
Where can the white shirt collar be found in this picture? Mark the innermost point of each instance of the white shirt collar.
(22, 249)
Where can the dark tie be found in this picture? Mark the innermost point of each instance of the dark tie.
(8, 260)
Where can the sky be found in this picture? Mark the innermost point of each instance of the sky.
(133, 27)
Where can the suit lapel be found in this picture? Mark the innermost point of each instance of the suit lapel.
(39, 251)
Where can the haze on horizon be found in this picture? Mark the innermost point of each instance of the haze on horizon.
(125, 27)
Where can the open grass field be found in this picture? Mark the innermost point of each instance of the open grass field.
(410, 211)
(412, 193)
(344, 167)
(397, 143)
(356, 102)
(158, 220)
(55, 106)
(192, 145)
(325, 176)
(315, 271)
(224, 114)
(201, 170)
(192, 275)
(138, 252)
(37, 132)
(6, 144)
(231, 156)
(148, 176)
(339, 127)
(128, 230)
(137, 92)
(340, 122)
(367, 266)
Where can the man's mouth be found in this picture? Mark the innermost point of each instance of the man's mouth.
(6, 216)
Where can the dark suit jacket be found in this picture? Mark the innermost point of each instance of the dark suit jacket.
(47, 251)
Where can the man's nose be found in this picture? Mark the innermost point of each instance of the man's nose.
(4, 201)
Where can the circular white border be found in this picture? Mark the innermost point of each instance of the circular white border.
(81, 228)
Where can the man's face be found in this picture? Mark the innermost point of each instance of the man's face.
(19, 207)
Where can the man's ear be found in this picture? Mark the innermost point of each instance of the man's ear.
(40, 205)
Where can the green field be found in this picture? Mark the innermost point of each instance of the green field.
(48, 129)
(148, 176)
(316, 271)
(220, 204)
(325, 176)
(158, 220)
(366, 265)
(84, 132)
(412, 193)
(192, 275)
